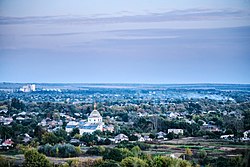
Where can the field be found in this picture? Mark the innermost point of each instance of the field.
(213, 148)
(174, 148)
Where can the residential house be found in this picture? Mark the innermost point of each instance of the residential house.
(210, 128)
(160, 135)
(176, 131)
(141, 139)
(121, 137)
(227, 136)
(147, 138)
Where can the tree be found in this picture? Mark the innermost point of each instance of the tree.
(188, 153)
(96, 151)
(152, 136)
(74, 132)
(89, 139)
(60, 150)
(133, 138)
(107, 141)
(17, 104)
(160, 161)
(61, 133)
(116, 154)
(38, 132)
(109, 163)
(133, 162)
(136, 151)
(170, 135)
(35, 159)
(202, 155)
(50, 138)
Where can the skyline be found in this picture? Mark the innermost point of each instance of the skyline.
(137, 42)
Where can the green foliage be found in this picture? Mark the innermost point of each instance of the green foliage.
(63, 165)
(160, 161)
(6, 131)
(107, 141)
(136, 151)
(202, 154)
(188, 151)
(35, 159)
(152, 136)
(133, 162)
(17, 104)
(22, 148)
(74, 132)
(60, 150)
(116, 154)
(89, 139)
(50, 138)
(96, 151)
(103, 142)
(143, 146)
(133, 138)
(6, 162)
(108, 163)
(61, 133)
(38, 132)
(225, 162)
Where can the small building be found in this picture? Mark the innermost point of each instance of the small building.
(141, 139)
(176, 131)
(246, 135)
(160, 135)
(26, 138)
(110, 128)
(7, 144)
(210, 128)
(121, 137)
(70, 126)
(75, 142)
(147, 138)
(231, 136)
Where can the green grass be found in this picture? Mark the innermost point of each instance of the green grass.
(10, 152)
(191, 147)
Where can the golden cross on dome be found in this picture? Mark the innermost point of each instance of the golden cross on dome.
(95, 106)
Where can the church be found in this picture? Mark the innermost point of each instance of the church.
(94, 123)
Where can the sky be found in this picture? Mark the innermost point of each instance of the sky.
(132, 41)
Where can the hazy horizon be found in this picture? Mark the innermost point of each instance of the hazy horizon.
(181, 42)
(129, 83)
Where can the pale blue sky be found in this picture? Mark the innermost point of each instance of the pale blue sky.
(135, 41)
(82, 7)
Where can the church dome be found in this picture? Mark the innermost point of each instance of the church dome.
(95, 114)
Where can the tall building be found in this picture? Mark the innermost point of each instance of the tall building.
(28, 88)
(33, 87)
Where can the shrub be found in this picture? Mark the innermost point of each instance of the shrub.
(96, 151)
(108, 163)
(35, 159)
(116, 154)
(60, 150)
(133, 162)
(5, 162)
(160, 161)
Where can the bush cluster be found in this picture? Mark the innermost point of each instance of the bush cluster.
(60, 150)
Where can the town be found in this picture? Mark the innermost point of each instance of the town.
(199, 124)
